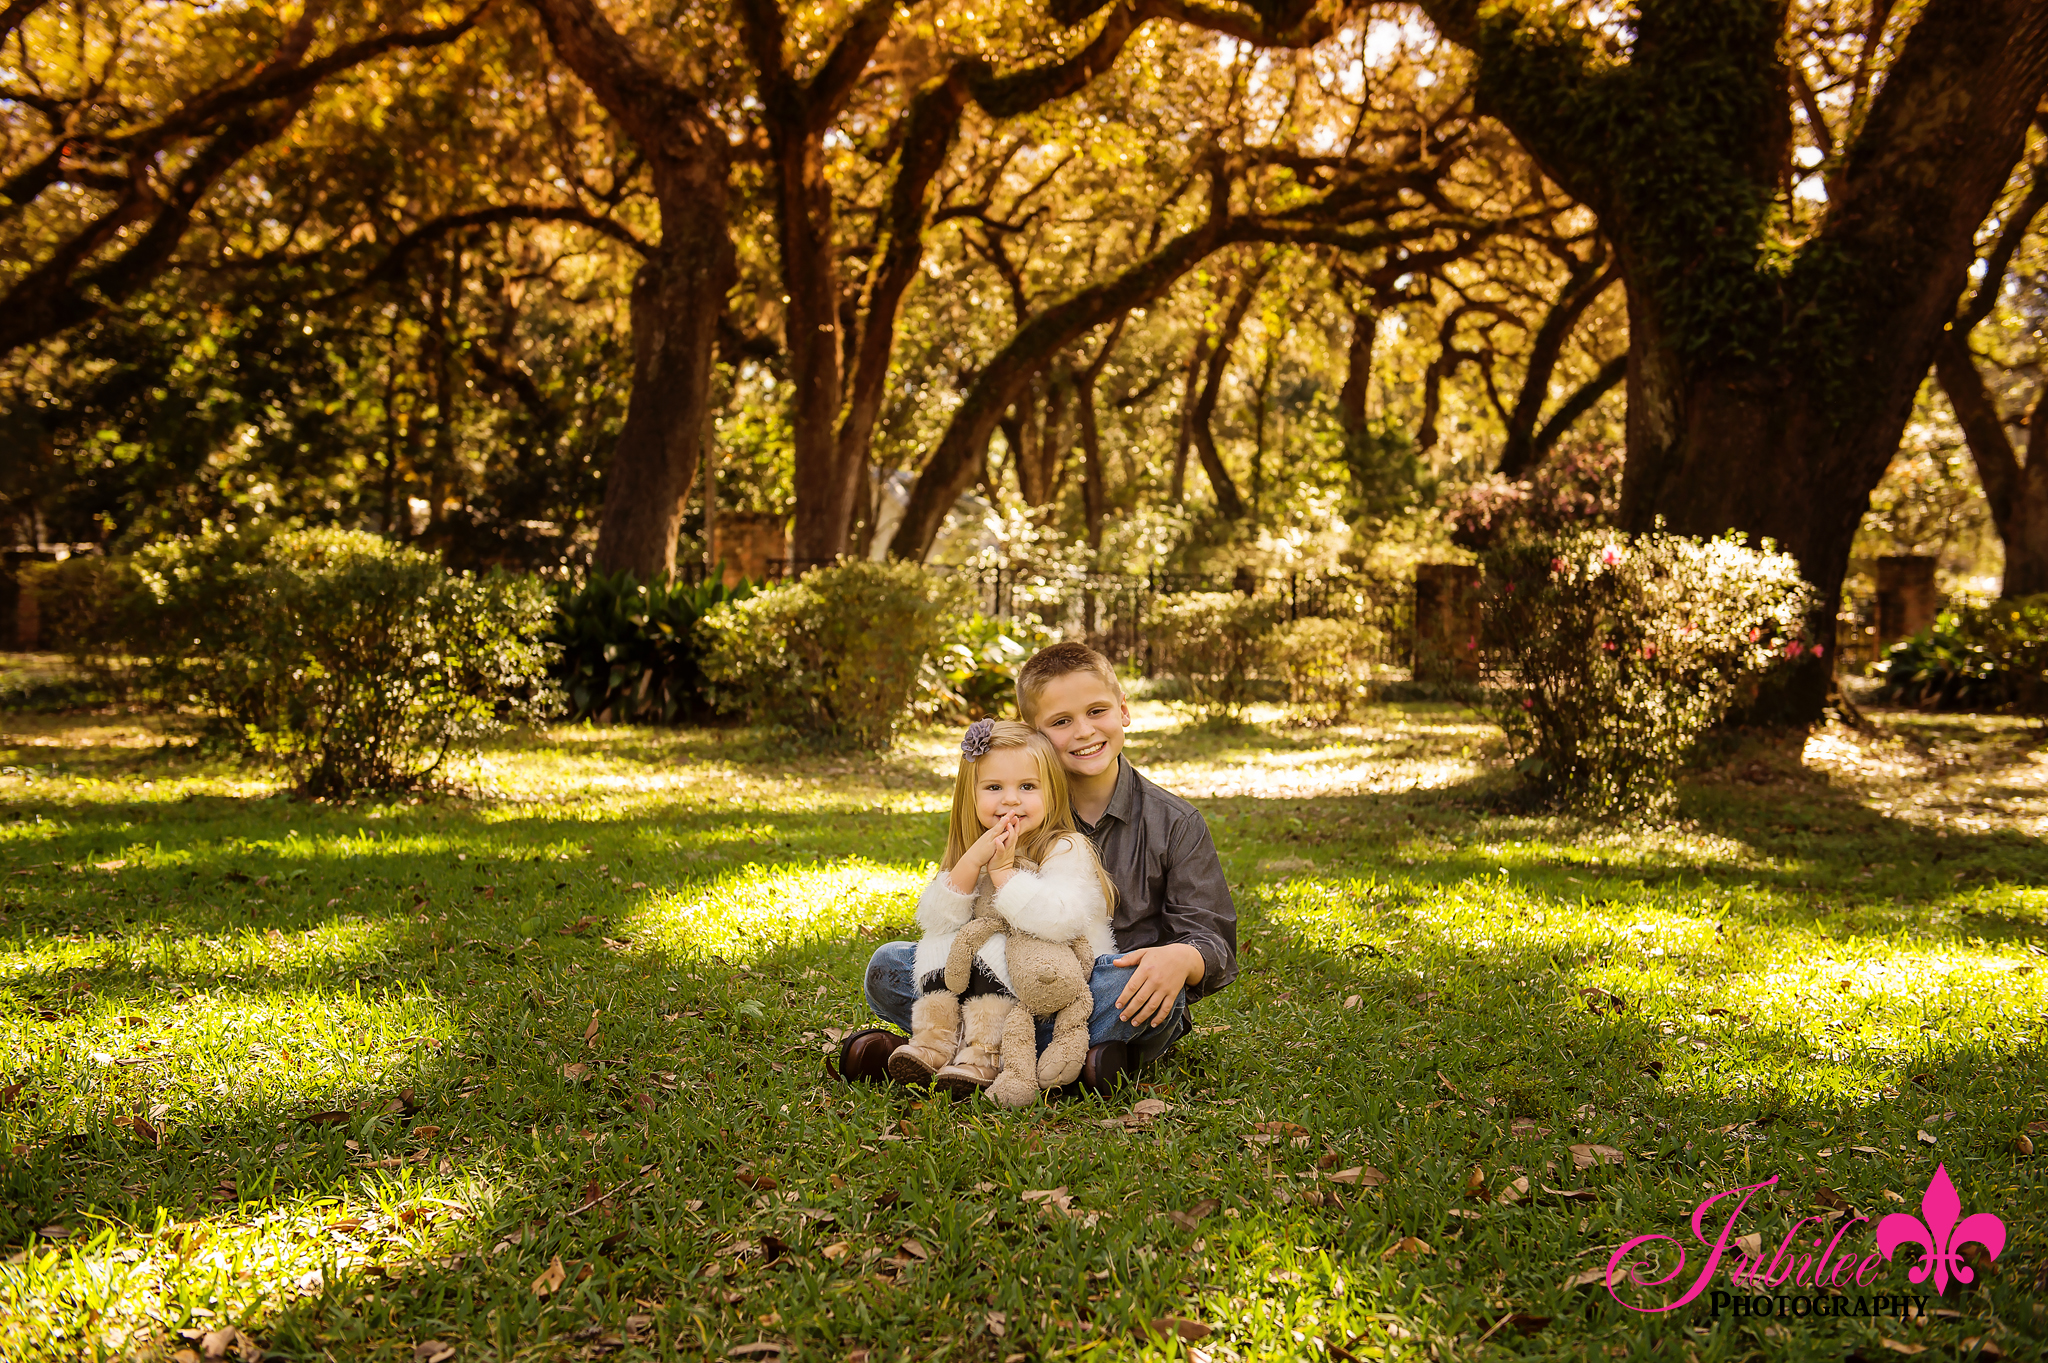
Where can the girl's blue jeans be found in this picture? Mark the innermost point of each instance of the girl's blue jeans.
(891, 991)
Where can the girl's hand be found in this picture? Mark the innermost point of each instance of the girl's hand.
(966, 872)
(1003, 864)
(1003, 851)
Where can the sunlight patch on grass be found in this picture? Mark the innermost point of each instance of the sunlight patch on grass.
(759, 910)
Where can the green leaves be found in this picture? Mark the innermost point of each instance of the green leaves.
(834, 656)
(1626, 649)
(630, 651)
(355, 663)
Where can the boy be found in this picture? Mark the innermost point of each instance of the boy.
(1174, 917)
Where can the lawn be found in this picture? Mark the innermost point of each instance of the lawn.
(536, 1069)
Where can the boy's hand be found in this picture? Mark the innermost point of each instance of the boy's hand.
(1162, 972)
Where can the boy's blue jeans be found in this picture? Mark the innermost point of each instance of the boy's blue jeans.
(891, 991)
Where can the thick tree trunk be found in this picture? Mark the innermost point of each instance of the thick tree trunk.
(1365, 326)
(678, 296)
(823, 483)
(1767, 396)
(2017, 493)
(677, 299)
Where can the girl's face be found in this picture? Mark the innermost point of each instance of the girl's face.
(1006, 782)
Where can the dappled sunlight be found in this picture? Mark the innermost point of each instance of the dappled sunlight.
(758, 910)
(395, 1062)
(1973, 773)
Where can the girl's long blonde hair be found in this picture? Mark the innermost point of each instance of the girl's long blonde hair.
(964, 828)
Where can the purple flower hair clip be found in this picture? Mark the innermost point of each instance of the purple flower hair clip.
(974, 744)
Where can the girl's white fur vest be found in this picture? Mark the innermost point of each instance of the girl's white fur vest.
(1059, 901)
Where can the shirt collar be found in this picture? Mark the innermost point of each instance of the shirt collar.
(1123, 800)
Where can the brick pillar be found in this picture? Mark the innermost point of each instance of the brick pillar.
(746, 542)
(1447, 622)
(1906, 599)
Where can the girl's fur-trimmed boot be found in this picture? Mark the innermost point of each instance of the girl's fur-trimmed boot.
(934, 1039)
(981, 1040)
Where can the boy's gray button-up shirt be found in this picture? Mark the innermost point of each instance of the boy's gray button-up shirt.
(1169, 881)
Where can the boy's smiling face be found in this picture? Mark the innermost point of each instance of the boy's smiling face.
(1085, 717)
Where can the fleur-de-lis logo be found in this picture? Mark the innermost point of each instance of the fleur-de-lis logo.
(1940, 1236)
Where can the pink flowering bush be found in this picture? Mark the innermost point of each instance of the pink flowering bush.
(1624, 650)
(1578, 485)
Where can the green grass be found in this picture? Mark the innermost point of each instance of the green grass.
(351, 1079)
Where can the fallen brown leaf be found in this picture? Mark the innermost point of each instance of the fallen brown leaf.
(432, 1351)
(1189, 1330)
(1149, 1108)
(1570, 1194)
(916, 1250)
(1586, 1279)
(760, 1183)
(590, 1032)
(835, 1252)
(1514, 1192)
(551, 1279)
(1828, 1197)
(1475, 1182)
(574, 1073)
(1193, 1216)
(1586, 1156)
(1363, 1175)
(1901, 1348)
(1407, 1244)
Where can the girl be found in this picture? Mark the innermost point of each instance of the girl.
(1011, 846)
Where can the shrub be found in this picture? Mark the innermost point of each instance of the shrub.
(972, 674)
(1625, 650)
(1976, 658)
(833, 656)
(92, 610)
(630, 650)
(1212, 642)
(356, 663)
(1577, 486)
(1324, 663)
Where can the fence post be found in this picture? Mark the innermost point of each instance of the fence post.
(1907, 601)
(1447, 622)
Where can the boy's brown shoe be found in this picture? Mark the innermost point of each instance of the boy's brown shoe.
(1108, 1064)
(864, 1056)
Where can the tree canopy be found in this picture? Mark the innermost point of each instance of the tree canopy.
(1162, 280)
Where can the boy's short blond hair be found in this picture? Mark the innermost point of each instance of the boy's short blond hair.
(1050, 664)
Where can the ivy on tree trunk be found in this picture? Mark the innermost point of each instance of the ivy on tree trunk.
(1769, 379)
